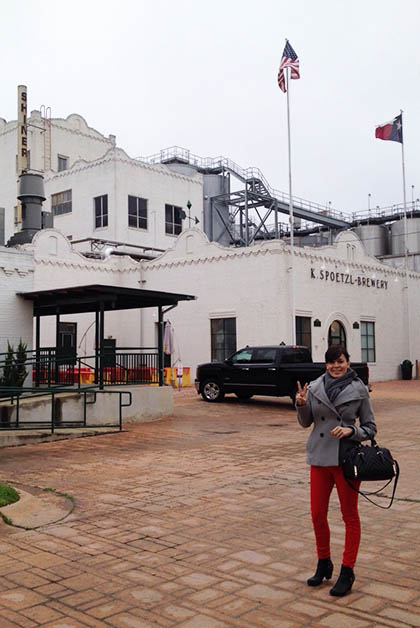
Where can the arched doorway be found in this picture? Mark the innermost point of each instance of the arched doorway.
(336, 334)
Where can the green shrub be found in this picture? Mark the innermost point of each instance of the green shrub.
(14, 370)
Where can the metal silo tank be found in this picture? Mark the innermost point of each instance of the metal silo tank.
(413, 236)
(214, 228)
(375, 239)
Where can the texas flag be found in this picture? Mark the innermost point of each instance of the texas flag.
(391, 130)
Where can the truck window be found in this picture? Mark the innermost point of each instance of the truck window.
(242, 356)
(295, 356)
(263, 356)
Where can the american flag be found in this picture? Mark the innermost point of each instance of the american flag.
(288, 60)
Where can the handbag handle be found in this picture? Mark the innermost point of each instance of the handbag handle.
(365, 495)
(397, 475)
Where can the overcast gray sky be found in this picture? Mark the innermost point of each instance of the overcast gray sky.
(202, 74)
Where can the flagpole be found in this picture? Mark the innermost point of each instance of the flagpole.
(405, 199)
(291, 219)
(405, 237)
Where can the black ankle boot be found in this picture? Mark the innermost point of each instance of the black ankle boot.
(344, 582)
(324, 569)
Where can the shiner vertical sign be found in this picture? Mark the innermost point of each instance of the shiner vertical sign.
(22, 138)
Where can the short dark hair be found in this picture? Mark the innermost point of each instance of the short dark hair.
(334, 351)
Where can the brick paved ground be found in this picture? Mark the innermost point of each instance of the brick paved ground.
(202, 521)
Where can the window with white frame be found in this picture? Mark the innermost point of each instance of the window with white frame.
(62, 163)
(137, 212)
(173, 219)
(223, 338)
(101, 211)
(61, 203)
(367, 336)
(303, 331)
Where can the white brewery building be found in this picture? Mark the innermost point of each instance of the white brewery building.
(179, 223)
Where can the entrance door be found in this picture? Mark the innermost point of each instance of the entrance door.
(109, 352)
(67, 339)
(336, 334)
(66, 354)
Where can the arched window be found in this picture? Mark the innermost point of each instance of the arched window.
(336, 334)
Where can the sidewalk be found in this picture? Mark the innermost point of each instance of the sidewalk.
(202, 520)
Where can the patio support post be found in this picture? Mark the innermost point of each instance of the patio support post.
(160, 345)
(96, 346)
(57, 340)
(101, 345)
(37, 349)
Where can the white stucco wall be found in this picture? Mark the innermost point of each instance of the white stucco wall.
(70, 137)
(58, 266)
(254, 285)
(368, 291)
(118, 176)
(251, 284)
(96, 167)
(16, 275)
(8, 178)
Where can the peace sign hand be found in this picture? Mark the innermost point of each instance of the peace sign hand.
(301, 394)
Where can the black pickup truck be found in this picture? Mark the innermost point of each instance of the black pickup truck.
(272, 370)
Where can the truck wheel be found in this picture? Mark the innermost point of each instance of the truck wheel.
(244, 395)
(212, 391)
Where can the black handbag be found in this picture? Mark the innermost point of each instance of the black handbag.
(368, 463)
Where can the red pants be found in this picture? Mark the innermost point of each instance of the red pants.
(322, 483)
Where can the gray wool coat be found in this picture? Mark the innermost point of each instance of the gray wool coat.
(352, 402)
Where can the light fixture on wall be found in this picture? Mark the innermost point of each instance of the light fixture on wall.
(317, 322)
(396, 280)
(373, 276)
(323, 267)
(356, 325)
(347, 271)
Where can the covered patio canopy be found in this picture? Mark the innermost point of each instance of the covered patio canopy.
(101, 298)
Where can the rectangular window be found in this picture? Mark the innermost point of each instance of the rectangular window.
(303, 331)
(137, 212)
(101, 211)
(223, 338)
(264, 356)
(367, 335)
(63, 163)
(61, 203)
(295, 356)
(173, 219)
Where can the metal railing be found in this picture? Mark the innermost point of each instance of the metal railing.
(244, 174)
(391, 211)
(127, 365)
(11, 400)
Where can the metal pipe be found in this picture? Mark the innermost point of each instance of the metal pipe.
(37, 349)
(57, 340)
(160, 344)
(101, 345)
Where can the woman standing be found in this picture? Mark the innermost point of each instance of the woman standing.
(332, 403)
